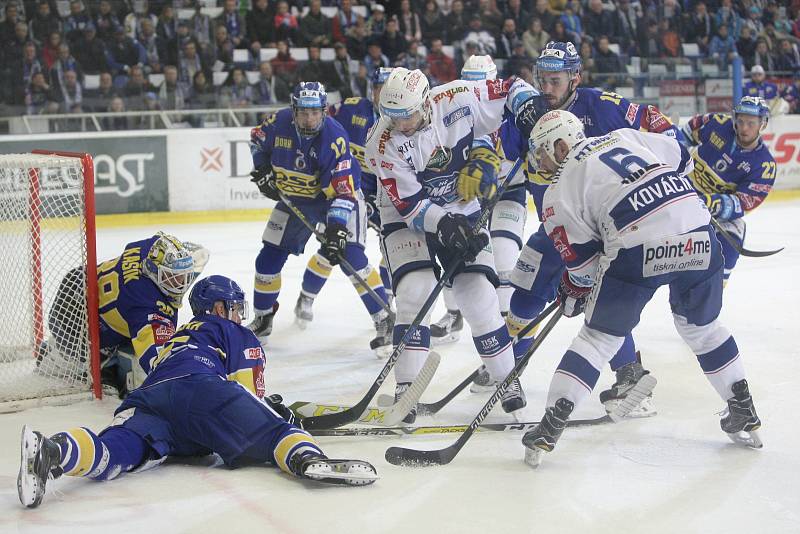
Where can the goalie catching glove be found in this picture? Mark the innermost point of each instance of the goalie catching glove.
(478, 178)
(571, 296)
(264, 178)
(455, 233)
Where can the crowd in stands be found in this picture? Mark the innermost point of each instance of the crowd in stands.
(118, 55)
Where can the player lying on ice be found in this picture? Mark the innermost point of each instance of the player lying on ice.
(204, 394)
(626, 219)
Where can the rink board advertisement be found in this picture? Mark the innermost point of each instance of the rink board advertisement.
(209, 169)
(130, 170)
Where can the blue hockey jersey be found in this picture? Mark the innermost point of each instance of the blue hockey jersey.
(209, 344)
(357, 115)
(132, 308)
(766, 90)
(309, 171)
(722, 167)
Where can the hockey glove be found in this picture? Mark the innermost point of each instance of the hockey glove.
(528, 113)
(721, 206)
(455, 233)
(264, 178)
(572, 297)
(478, 178)
(275, 401)
(335, 242)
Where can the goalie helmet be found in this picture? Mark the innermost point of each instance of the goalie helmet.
(405, 93)
(479, 68)
(170, 265)
(554, 125)
(216, 288)
(309, 96)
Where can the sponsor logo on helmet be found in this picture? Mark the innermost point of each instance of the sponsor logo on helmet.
(413, 80)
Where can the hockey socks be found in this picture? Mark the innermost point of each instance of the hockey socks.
(267, 289)
(292, 445)
(373, 280)
(413, 356)
(104, 457)
(318, 270)
(496, 352)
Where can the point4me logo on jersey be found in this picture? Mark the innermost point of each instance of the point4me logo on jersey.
(688, 252)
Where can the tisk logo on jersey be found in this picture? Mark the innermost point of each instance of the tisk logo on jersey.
(440, 159)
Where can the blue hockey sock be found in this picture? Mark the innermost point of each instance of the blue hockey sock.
(318, 270)
(625, 355)
(85, 454)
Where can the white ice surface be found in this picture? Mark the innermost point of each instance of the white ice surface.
(676, 472)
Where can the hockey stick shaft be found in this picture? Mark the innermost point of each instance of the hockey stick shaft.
(449, 429)
(434, 407)
(404, 456)
(348, 416)
(739, 248)
(345, 264)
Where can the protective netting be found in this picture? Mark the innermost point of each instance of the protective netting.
(44, 334)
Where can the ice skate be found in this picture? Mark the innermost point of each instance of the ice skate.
(628, 376)
(544, 436)
(262, 323)
(303, 313)
(448, 328)
(328, 471)
(514, 398)
(39, 462)
(384, 328)
(398, 392)
(740, 420)
(483, 382)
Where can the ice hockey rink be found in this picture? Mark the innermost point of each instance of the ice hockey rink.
(675, 472)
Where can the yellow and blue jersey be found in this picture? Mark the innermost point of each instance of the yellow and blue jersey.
(132, 308)
(721, 166)
(357, 115)
(765, 90)
(308, 170)
(211, 345)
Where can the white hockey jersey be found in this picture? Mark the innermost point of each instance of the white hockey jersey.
(621, 190)
(419, 173)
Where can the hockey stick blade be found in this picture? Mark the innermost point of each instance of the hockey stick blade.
(434, 407)
(418, 458)
(634, 397)
(319, 416)
(449, 429)
(739, 248)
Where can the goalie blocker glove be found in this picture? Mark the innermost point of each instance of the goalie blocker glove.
(454, 232)
(571, 296)
(264, 179)
(333, 248)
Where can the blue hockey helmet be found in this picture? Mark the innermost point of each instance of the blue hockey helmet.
(217, 288)
(557, 57)
(752, 105)
(309, 96)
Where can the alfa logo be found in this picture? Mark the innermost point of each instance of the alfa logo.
(211, 159)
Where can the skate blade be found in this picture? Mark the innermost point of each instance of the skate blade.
(348, 472)
(634, 398)
(645, 409)
(383, 352)
(748, 439)
(477, 388)
(452, 337)
(27, 486)
(534, 456)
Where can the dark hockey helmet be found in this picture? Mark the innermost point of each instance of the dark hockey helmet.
(217, 288)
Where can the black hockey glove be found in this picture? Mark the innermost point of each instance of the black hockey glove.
(335, 242)
(275, 401)
(264, 178)
(455, 233)
(528, 113)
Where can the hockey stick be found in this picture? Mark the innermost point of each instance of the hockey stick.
(344, 263)
(348, 416)
(739, 248)
(450, 429)
(434, 407)
(414, 457)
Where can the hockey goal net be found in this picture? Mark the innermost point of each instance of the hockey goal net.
(48, 280)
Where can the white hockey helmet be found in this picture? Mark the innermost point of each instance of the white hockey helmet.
(404, 94)
(479, 68)
(552, 126)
